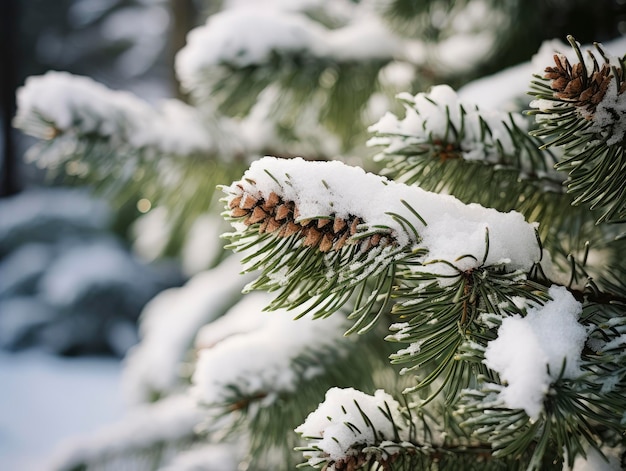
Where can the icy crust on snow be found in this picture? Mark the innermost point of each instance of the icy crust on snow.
(253, 351)
(243, 37)
(168, 326)
(337, 427)
(59, 102)
(168, 421)
(452, 229)
(427, 119)
(547, 337)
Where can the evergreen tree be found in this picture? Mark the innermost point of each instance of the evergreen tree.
(460, 304)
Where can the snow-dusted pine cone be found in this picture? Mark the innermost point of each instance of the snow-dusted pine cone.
(280, 217)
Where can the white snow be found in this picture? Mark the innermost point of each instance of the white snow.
(59, 101)
(526, 346)
(327, 428)
(46, 400)
(243, 37)
(595, 462)
(248, 36)
(427, 117)
(168, 325)
(452, 228)
(253, 351)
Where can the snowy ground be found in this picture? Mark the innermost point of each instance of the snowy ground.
(46, 400)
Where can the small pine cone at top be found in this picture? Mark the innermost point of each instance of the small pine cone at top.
(281, 218)
(573, 83)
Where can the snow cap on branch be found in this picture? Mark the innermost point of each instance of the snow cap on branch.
(249, 37)
(248, 355)
(440, 117)
(313, 199)
(348, 421)
(548, 337)
(58, 102)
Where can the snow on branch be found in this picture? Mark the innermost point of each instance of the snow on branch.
(342, 428)
(251, 37)
(581, 108)
(168, 325)
(532, 352)
(326, 230)
(248, 357)
(328, 206)
(438, 125)
(59, 103)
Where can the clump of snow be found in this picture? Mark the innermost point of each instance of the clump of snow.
(428, 117)
(338, 429)
(253, 351)
(526, 347)
(450, 230)
(168, 325)
(242, 37)
(368, 38)
(59, 102)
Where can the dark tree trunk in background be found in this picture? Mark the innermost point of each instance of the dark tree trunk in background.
(184, 18)
(8, 83)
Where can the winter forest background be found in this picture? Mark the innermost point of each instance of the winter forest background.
(117, 297)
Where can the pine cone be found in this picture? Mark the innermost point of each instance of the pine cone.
(277, 216)
(571, 83)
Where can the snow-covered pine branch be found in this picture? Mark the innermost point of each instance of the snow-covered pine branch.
(351, 429)
(438, 125)
(335, 226)
(253, 366)
(61, 105)
(329, 237)
(162, 363)
(581, 108)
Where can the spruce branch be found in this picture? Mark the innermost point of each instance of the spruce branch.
(580, 108)
(292, 216)
(443, 144)
(125, 148)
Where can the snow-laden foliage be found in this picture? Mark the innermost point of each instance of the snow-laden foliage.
(239, 356)
(408, 217)
(58, 103)
(168, 325)
(532, 352)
